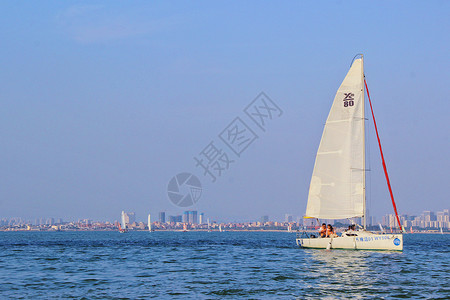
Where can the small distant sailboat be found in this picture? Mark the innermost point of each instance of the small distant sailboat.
(289, 228)
(338, 183)
(410, 230)
(442, 231)
(185, 227)
(220, 228)
(209, 228)
(122, 224)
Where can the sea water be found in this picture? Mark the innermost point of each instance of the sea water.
(215, 265)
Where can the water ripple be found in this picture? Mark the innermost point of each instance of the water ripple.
(231, 265)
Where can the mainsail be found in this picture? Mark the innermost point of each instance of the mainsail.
(122, 221)
(338, 180)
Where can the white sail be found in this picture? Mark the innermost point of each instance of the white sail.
(337, 184)
(124, 225)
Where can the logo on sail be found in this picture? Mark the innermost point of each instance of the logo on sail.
(349, 99)
(396, 241)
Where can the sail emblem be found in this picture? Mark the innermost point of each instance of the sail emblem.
(349, 99)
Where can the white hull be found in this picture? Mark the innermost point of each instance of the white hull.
(356, 240)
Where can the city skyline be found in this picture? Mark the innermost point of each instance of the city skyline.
(195, 217)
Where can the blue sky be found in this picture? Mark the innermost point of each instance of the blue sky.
(104, 101)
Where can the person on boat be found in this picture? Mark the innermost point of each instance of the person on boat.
(330, 231)
(351, 227)
(323, 230)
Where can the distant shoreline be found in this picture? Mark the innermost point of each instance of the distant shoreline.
(201, 230)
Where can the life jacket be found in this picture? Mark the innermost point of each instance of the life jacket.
(322, 231)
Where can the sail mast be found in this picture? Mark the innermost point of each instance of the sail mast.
(382, 158)
(363, 144)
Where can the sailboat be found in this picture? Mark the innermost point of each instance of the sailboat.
(337, 189)
(122, 224)
(209, 228)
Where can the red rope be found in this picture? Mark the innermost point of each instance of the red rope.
(382, 158)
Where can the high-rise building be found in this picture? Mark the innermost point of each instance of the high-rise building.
(162, 217)
(372, 221)
(264, 219)
(130, 217)
(190, 216)
(288, 218)
(201, 218)
(429, 216)
(193, 217)
(175, 219)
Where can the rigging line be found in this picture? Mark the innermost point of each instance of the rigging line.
(382, 157)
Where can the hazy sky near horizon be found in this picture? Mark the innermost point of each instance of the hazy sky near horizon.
(103, 102)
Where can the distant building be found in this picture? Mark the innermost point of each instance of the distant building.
(288, 218)
(130, 217)
(162, 217)
(427, 219)
(193, 217)
(264, 219)
(429, 216)
(372, 221)
(190, 216)
(201, 218)
(175, 219)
